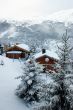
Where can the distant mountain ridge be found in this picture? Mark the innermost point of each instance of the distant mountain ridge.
(52, 29)
(62, 16)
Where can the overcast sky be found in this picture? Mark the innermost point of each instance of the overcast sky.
(32, 9)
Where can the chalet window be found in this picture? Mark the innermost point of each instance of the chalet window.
(46, 60)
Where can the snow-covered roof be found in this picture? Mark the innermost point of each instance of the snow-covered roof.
(24, 46)
(14, 52)
(49, 53)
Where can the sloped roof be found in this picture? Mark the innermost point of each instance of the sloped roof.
(23, 46)
(47, 53)
(20, 46)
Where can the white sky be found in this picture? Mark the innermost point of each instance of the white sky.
(32, 9)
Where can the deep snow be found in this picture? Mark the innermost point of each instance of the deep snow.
(8, 84)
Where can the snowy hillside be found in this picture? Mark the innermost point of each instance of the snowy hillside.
(62, 16)
(8, 84)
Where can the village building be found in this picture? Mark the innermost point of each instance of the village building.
(47, 58)
(18, 51)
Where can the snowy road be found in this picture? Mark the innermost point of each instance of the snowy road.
(8, 84)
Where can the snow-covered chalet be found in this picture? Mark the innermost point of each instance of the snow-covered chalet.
(18, 51)
(47, 58)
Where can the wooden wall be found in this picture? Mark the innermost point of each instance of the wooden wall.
(15, 56)
(48, 65)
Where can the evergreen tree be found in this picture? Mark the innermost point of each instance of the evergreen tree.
(62, 90)
(28, 89)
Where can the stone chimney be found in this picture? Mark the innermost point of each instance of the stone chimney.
(43, 51)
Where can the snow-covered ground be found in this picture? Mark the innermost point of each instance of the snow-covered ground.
(8, 84)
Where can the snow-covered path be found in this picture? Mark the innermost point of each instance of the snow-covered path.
(8, 84)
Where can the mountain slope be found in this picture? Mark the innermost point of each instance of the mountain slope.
(62, 16)
(52, 29)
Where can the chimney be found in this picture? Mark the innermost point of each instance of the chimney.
(43, 51)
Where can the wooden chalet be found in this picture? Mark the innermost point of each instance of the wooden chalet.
(47, 59)
(18, 51)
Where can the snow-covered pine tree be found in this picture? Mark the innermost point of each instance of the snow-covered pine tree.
(48, 93)
(62, 90)
(28, 89)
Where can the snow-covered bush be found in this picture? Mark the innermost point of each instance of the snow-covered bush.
(48, 97)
